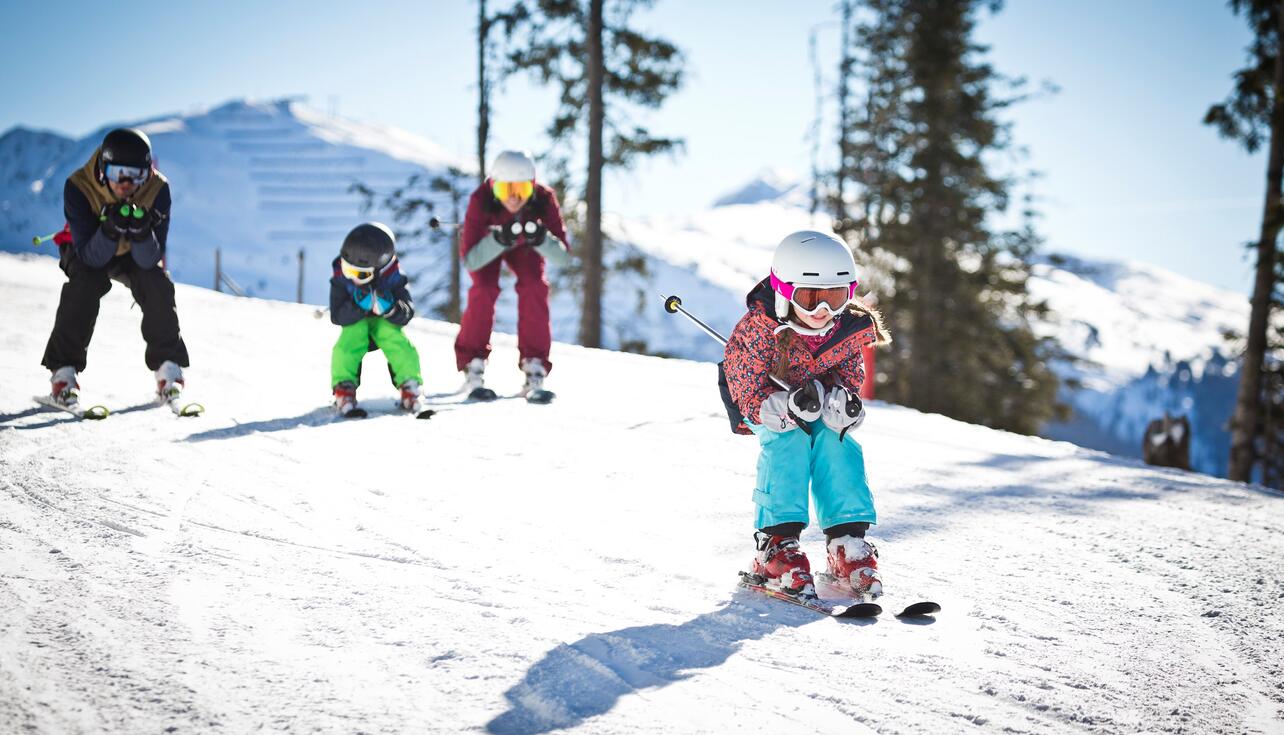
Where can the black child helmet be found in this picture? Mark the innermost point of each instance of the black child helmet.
(124, 147)
(368, 249)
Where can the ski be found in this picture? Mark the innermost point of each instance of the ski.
(856, 609)
(352, 413)
(419, 410)
(90, 413)
(919, 609)
(839, 589)
(540, 396)
(482, 394)
(180, 407)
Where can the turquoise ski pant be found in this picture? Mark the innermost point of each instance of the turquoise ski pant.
(792, 462)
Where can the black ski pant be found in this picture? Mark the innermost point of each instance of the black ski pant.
(78, 311)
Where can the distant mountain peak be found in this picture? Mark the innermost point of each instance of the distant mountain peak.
(768, 185)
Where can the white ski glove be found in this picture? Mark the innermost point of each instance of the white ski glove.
(843, 410)
(774, 414)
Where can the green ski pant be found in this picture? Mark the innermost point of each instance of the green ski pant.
(354, 342)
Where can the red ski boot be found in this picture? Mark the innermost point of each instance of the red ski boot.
(411, 397)
(853, 562)
(782, 565)
(345, 400)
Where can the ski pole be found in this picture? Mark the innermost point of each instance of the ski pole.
(39, 240)
(673, 305)
(437, 224)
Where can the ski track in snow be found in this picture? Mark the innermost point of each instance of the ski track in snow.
(509, 568)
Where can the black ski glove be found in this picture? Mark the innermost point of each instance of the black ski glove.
(804, 401)
(116, 219)
(506, 235)
(141, 222)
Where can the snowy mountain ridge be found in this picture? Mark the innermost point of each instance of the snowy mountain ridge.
(508, 568)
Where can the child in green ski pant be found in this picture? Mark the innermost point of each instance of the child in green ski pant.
(369, 299)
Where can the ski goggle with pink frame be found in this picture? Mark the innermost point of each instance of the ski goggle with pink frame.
(811, 299)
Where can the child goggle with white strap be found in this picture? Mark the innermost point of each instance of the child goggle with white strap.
(811, 299)
(117, 173)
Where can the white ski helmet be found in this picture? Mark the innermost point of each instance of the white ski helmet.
(809, 259)
(513, 166)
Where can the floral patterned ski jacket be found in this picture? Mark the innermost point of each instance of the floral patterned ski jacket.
(752, 354)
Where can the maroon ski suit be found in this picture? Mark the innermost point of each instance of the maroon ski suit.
(533, 326)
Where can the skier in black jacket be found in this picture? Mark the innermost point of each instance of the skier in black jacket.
(117, 208)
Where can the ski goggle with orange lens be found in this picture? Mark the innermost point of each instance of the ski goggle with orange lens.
(521, 189)
(116, 173)
(811, 299)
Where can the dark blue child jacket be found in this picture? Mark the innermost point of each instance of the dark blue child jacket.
(347, 298)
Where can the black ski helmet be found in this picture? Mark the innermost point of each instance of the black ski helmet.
(369, 245)
(125, 147)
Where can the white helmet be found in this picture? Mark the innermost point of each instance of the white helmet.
(513, 166)
(808, 259)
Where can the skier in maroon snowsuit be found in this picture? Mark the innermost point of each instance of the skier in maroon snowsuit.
(514, 220)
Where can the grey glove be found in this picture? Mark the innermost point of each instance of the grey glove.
(843, 410)
(774, 414)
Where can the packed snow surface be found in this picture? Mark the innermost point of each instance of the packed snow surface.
(523, 569)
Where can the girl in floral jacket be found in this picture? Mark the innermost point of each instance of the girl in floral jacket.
(793, 369)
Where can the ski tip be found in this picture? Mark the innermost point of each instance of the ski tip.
(482, 394)
(96, 413)
(191, 410)
(919, 609)
(427, 413)
(356, 413)
(540, 397)
(859, 610)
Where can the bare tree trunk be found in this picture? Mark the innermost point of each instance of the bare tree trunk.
(1248, 403)
(455, 307)
(844, 114)
(483, 92)
(591, 318)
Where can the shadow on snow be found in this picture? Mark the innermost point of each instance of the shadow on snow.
(579, 680)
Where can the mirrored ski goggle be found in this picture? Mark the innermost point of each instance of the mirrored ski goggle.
(353, 273)
(521, 189)
(811, 299)
(117, 173)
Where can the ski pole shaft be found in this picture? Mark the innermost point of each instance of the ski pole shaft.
(39, 240)
(673, 305)
(437, 224)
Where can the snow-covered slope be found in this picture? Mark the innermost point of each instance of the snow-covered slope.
(258, 180)
(521, 569)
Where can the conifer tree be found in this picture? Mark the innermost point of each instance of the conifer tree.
(1253, 114)
(586, 50)
(952, 288)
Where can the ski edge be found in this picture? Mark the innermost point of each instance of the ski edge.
(857, 609)
(95, 412)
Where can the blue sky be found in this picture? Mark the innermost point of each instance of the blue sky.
(1127, 168)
